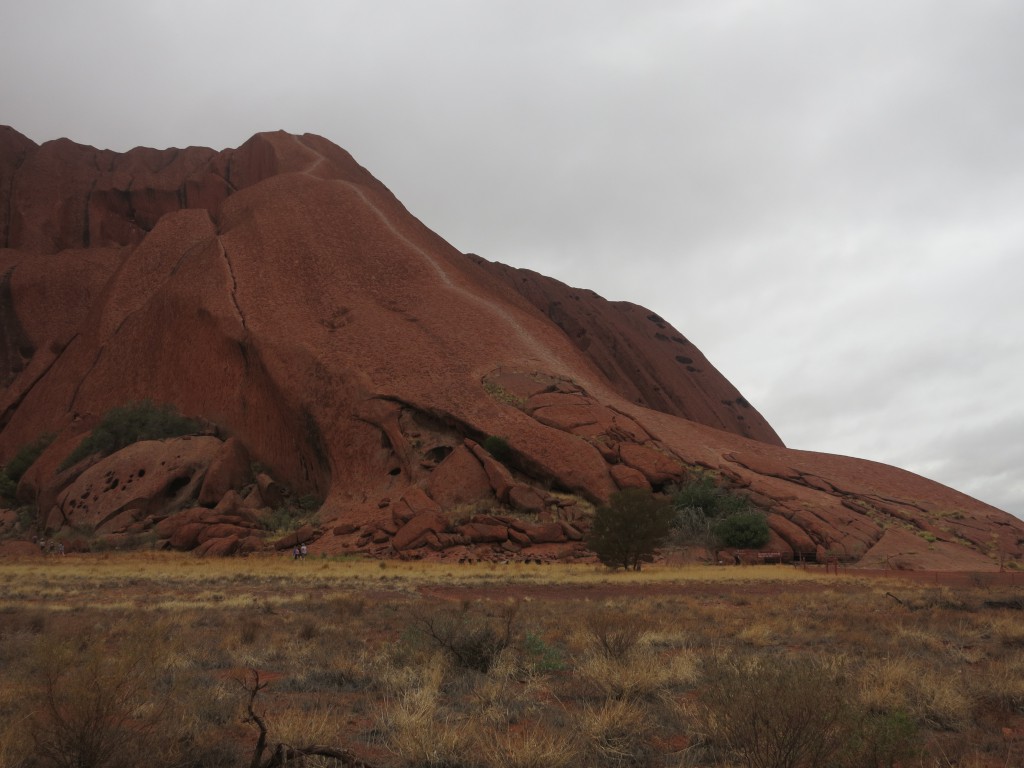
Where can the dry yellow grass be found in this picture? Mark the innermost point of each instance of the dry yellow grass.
(601, 669)
(74, 574)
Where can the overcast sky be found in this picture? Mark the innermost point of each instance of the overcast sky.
(826, 196)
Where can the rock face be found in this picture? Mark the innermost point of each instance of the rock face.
(135, 483)
(280, 293)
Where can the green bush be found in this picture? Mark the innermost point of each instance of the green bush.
(282, 519)
(26, 456)
(701, 511)
(129, 424)
(309, 503)
(8, 488)
(627, 531)
(20, 462)
(542, 656)
(746, 530)
(712, 500)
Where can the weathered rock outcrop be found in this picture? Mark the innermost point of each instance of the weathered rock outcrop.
(135, 483)
(281, 294)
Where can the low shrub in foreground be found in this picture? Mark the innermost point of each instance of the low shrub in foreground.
(777, 713)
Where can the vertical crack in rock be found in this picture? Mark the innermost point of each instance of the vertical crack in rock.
(82, 379)
(234, 286)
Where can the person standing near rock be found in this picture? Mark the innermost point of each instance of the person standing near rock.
(303, 551)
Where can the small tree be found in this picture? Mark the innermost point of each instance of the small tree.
(627, 531)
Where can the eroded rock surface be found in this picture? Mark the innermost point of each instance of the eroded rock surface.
(282, 295)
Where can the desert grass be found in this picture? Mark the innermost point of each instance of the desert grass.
(592, 668)
(51, 573)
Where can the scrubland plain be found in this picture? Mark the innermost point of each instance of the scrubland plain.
(160, 660)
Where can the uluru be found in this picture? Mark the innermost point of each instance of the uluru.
(328, 346)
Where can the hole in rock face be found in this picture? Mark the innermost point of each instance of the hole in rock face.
(438, 454)
(394, 472)
(176, 485)
(141, 473)
(683, 359)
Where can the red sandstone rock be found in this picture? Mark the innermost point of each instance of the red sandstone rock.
(418, 501)
(249, 545)
(498, 476)
(459, 479)
(627, 477)
(228, 471)
(223, 530)
(218, 547)
(186, 536)
(259, 306)
(166, 527)
(271, 492)
(411, 534)
(526, 499)
(252, 499)
(572, 533)
(138, 481)
(794, 536)
(763, 465)
(401, 512)
(546, 533)
(651, 463)
(481, 532)
(519, 537)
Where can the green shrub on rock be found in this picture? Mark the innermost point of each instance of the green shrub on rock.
(127, 424)
(19, 464)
